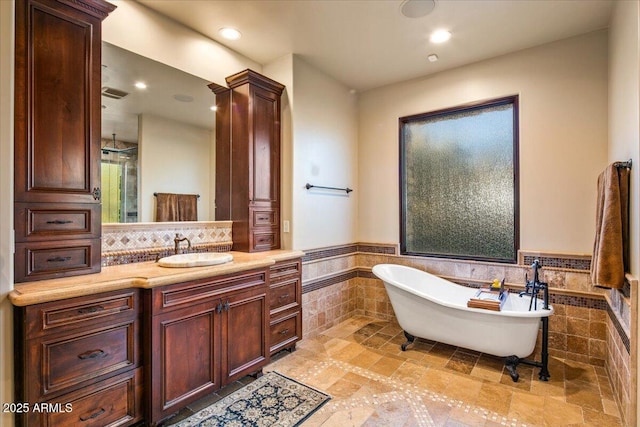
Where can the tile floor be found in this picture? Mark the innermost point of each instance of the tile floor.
(373, 383)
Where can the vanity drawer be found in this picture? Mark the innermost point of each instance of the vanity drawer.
(49, 260)
(284, 295)
(284, 269)
(80, 312)
(113, 402)
(68, 361)
(264, 217)
(42, 221)
(285, 331)
(264, 239)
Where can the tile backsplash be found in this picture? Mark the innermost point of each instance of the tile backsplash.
(136, 242)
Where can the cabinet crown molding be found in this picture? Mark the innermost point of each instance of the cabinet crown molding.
(257, 79)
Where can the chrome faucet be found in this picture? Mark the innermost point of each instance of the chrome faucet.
(177, 241)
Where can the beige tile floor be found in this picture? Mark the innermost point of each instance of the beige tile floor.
(373, 383)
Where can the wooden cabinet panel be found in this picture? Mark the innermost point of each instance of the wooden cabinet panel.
(244, 334)
(285, 331)
(113, 402)
(185, 358)
(81, 312)
(285, 305)
(48, 221)
(48, 260)
(82, 351)
(204, 334)
(248, 135)
(57, 134)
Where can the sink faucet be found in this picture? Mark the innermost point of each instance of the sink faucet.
(177, 241)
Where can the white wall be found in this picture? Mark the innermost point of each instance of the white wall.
(324, 153)
(174, 158)
(6, 206)
(563, 138)
(139, 29)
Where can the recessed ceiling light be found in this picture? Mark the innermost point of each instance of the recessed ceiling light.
(417, 8)
(432, 58)
(230, 33)
(440, 36)
(140, 85)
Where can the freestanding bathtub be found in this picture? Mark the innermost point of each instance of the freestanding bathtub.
(430, 307)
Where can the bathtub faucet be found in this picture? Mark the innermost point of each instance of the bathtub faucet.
(533, 287)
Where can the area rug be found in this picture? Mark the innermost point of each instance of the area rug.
(271, 400)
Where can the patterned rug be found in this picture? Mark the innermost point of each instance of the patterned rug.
(271, 400)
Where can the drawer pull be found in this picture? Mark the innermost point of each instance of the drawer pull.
(59, 221)
(94, 415)
(91, 309)
(263, 218)
(283, 297)
(284, 331)
(59, 259)
(92, 354)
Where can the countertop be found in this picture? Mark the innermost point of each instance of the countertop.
(138, 275)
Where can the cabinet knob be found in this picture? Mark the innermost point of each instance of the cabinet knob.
(226, 306)
(96, 193)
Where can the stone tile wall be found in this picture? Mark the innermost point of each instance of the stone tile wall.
(589, 325)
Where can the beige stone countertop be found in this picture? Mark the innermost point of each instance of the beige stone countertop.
(138, 275)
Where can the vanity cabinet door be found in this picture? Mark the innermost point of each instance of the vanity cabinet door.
(185, 357)
(245, 325)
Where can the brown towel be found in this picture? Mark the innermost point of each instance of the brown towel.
(166, 207)
(611, 247)
(176, 207)
(187, 207)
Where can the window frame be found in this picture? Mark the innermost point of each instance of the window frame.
(407, 120)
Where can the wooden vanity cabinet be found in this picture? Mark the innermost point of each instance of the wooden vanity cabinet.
(285, 305)
(204, 334)
(79, 361)
(57, 137)
(248, 138)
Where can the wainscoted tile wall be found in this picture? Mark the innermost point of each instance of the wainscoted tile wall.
(590, 325)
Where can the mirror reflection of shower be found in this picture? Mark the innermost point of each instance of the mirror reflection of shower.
(119, 168)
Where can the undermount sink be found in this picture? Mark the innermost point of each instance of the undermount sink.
(195, 259)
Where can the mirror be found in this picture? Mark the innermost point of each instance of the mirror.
(155, 139)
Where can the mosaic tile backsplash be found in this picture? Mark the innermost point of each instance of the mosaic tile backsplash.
(127, 243)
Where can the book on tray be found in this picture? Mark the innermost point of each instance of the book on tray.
(489, 298)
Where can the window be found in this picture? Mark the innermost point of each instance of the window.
(459, 182)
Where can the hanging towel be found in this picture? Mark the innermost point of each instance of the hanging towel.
(611, 247)
(187, 207)
(176, 207)
(166, 207)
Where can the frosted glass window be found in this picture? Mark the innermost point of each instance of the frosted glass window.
(459, 182)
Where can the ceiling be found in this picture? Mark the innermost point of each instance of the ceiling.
(369, 43)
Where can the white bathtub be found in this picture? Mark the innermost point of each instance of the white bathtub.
(430, 307)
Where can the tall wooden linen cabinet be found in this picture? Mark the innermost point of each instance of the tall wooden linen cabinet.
(248, 159)
(57, 137)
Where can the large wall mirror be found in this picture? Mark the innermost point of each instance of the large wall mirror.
(157, 136)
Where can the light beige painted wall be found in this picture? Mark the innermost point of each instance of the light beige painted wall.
(139, 29)
(174, 158)
(281, 70)
(6, 207)
(324, 153)
(624, 113)
(624, 106)
(563, 138)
